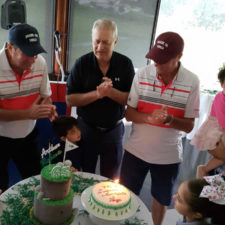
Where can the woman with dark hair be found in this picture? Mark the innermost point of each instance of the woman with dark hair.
(201, 201)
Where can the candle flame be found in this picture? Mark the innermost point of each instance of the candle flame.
(116, 181)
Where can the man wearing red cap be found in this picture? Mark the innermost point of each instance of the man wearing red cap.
(163, 102)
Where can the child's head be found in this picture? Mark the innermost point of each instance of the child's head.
(195, 208)
(221, 76)
(66, 128)
(219, 151)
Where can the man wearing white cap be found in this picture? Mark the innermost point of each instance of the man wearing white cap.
(164, 100)
(24, 97)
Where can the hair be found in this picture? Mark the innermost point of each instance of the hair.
(14, 46)
(107, 25)
(208, 209)
(221, 74)
(63, 124)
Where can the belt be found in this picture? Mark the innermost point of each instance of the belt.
(103, 129)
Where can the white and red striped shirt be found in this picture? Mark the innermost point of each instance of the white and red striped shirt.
(20, 92)
(161, 144)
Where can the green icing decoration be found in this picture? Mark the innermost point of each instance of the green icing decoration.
(134, 221)
(79, 183)
(138, 209)
(59, 202)
(18, 205)
(46, 173)
(46, 161)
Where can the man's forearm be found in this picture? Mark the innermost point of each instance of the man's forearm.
(12, 115)
(82, 99)
(183, 124)
(118, 96)
(137, 117)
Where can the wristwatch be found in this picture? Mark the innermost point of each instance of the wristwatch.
(170, 121)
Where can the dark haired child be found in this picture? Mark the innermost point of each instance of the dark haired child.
(66, 127)
(201, 201)
(213, 129)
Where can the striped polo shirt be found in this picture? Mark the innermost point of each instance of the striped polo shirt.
(161, 144)
(20, 92)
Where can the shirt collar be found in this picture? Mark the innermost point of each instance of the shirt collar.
(180, 73)
(111, 63)
(179, 76)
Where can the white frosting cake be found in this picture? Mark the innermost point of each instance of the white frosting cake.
(110, 198)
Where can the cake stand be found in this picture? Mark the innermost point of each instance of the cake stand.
(100, 219)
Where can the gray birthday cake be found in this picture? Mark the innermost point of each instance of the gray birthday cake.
(53, 199)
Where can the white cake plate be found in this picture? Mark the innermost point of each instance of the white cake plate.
(98, 218)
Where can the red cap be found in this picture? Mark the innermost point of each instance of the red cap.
(168, 45)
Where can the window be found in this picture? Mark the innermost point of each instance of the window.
(39, 15)
(135, 20)
(202, 25)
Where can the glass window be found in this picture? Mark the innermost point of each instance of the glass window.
(134, 18)
(202, 25)
(39, 15)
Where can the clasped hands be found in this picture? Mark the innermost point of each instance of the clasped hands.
(104, 89)
(158, 116)
(42, 108)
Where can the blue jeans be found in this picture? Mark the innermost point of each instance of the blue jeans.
(106, 144)
(163, 177)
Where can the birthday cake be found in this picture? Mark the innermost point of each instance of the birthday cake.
(53, 199)
(109, 198)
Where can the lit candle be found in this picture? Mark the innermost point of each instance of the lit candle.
(117, 187)
(116, 181)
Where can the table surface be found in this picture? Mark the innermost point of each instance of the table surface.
(85, 219)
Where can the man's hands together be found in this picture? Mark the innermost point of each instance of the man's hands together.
(42, 108)
(158, 116)
(104, 89)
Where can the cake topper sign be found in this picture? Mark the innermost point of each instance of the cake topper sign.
(68, 147)
(48, 151)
